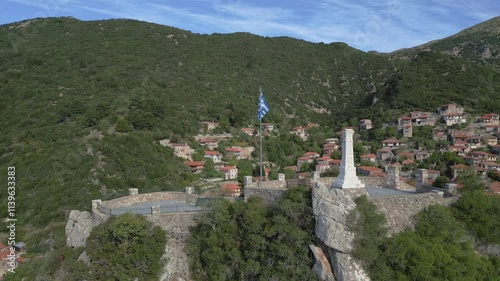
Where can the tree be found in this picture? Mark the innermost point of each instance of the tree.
(470, 181)
(440, 182)
(125, 248)
(255, 241)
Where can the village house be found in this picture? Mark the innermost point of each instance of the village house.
(407, 162)
(496, 149)
(457, 169)
(448, 109)
(490, 166)
(299, 131)
(407, 131)
(369, 157)
(231, 189)
(406, 155)
(214, 155)
(489, 140)
(335, 162)
(481, 172)
(329, 148)
(233, 153)
(419, 118)
(461, 150)
(370, 171)
(230, 172)
(311, 154)
(492, 128)
(209, 143)
(483, 156)
(324, 160)
(440, 136)
(209, 125)
(365, 124)
(494, 187)
(432, 175)
(422, 155)
(332, 141)
(267, 127)
(489, 119)
(322, 168)
(182, 150)
(475, 142)
(248, 131)
(403, 121)
(452, 119)
(391, 143)
(384, 153)
(195, 166)
(460, 138)
(304, 159)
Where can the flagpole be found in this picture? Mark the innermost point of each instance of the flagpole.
(260, 135)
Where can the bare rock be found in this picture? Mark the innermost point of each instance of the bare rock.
(78, 228)
(322, 266)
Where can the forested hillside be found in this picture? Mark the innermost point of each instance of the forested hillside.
(84, 102)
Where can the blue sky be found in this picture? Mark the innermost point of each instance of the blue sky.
(383, 26)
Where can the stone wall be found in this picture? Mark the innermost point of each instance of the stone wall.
(268, 194)
(147, 197)
(400, 211)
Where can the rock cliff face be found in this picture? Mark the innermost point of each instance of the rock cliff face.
(177, 228)
(78, 228)
(331, 208)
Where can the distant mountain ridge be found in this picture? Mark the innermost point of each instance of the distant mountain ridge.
(479, 43)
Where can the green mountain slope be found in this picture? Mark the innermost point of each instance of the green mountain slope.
(84, 103)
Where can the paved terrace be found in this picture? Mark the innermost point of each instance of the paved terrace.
(375, 192)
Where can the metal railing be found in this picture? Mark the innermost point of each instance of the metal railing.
(201, 204)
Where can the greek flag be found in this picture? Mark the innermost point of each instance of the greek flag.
(263, 106)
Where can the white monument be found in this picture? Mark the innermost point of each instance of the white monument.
(347, 177)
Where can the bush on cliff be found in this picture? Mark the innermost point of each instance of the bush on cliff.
(253, 241)
(437, 249)
(480, 214)
(125, 248)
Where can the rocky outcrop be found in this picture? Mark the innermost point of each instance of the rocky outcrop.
(176, 227)
(331, 208)
(78, 228)
(322, 266)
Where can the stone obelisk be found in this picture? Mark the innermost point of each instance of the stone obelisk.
(347, 177)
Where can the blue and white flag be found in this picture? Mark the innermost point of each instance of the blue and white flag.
(263, 106)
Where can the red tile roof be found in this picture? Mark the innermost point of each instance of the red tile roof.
(495, 187)
(194, 163)
(232, 149)
(368, 156)
(228, 168)
(370, 168)
(211, 152)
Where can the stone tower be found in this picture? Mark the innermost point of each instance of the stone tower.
(347, 177)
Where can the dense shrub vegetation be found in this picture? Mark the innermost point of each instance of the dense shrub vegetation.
(125, 247)
(438, 248)
(252, 241)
